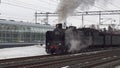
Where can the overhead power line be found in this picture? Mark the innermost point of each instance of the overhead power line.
(30, 8)
(82, 14)
(97, 6)
(114, 5)
(47, 2)
(110, 12)
(18, 6)
(32, 4)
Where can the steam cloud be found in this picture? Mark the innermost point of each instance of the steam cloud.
(76, 40)
(66, 7)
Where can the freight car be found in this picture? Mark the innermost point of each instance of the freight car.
(73, 40)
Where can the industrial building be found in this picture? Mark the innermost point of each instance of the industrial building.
(14, 33)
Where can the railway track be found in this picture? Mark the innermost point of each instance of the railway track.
(58, 61)
(10, 62)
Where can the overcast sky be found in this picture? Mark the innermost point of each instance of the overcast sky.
(23, 10)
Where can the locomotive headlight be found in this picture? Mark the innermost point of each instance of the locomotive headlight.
(59, 44)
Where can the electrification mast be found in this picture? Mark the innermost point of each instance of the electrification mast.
(82, 14)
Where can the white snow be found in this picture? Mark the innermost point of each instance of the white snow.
(17, 52)
(65, 67)
(117, 67)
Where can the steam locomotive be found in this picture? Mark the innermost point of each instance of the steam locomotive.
(73, 40)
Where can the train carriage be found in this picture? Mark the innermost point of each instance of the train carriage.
(18, 33)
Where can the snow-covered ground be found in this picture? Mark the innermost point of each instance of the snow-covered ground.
(16, 52)
(117, 67)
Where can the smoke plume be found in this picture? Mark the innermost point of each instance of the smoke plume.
(66, 7)
(76, 40)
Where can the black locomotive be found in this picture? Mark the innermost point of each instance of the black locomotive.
(73, 40)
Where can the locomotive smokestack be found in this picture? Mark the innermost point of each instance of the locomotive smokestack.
(59, 26)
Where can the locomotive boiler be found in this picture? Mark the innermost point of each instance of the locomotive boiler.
(73, 40)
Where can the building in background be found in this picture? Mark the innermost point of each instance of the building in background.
(15, 33)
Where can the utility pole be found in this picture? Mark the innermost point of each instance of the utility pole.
(119, 20)
(46, 15)
(88, 13)
(47, 18)
(82, 20)
(36, 17)
(99, 18)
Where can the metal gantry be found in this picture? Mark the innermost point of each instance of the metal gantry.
(86, 13)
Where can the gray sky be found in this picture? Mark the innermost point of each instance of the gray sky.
(23, 10)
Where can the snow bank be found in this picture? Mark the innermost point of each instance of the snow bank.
(22, 52)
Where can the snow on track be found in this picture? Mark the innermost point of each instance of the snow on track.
(17, 52)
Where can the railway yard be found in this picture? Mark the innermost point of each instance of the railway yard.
(60, 34)
(99, 59)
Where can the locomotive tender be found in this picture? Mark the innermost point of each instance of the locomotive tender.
(60, 41)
